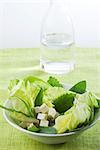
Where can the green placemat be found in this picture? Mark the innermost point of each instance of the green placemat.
(21, 62)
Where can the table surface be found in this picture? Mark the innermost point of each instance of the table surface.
(17, 63)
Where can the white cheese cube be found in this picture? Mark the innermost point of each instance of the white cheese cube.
(44, 108)
(52, 113)
(44, 123)
(37, 110)
(41, 116)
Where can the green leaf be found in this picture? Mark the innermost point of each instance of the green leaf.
(39, 82)
(88, 98)
(92, 115)
(26, 92)
(33, 128)
(51, 94)
(64, 102)
(13, 110)
(54, 82)
(25, 119)
(22, 98)
(32, 79)
(39, 98)
(29, 109)
(20, 115)
(12, 84)
(79, 87)
(98, 100)
(48, 130)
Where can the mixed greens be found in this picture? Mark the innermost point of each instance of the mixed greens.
(47, 107)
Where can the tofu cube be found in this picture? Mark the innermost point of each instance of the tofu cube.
(44, 123)
(52, 113)
(44, 108)
(41, 116)
(37, 110)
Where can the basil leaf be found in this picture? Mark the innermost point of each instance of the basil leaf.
(39, 98)
(64, 102)
(79, 87)
(54, 82)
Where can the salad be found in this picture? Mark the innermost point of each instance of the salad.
(48, 107)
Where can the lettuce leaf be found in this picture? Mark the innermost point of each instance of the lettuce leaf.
(51, 94)
(22, 94)
(82, 112)
(88, 98)
(12, 83)
(98, 100)
(26, 92)
(39, 82)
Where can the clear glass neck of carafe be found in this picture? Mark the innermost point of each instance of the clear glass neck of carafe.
(57, 5)
(56, 1)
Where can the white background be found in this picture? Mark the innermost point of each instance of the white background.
(20, 22)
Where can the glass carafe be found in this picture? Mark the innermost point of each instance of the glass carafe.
(57, 40)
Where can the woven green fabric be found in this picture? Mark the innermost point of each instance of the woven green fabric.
(21, 62)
